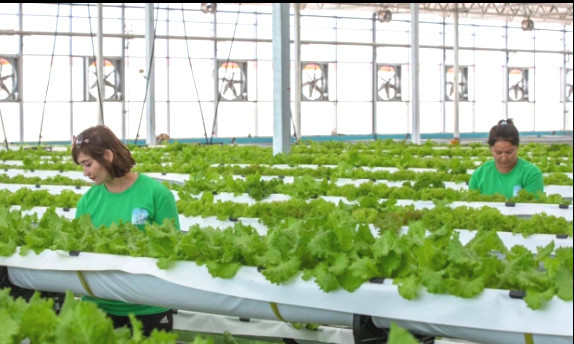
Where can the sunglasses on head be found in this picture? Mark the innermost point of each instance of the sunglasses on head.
(79, 140)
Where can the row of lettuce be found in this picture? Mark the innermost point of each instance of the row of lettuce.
(37, 321)
(185, 158)
(426, 188)
(330, 248)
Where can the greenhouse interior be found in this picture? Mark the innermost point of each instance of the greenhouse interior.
(432, 143)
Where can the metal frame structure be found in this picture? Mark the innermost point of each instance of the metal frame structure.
(545, 12)
(381, 13)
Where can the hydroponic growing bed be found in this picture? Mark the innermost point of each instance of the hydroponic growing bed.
(340, 290)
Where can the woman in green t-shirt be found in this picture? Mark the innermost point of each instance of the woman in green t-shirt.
(119, 194)
(506, 174)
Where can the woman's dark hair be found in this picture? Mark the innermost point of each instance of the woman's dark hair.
(95, 141)
(504, 131)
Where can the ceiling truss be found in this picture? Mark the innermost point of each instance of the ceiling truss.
(513, 12)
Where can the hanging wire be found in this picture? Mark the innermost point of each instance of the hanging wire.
(297, 138)
(100, 95)
(4, 130)
(192, 74)
(221, 88)
(49, 75)
(226, 65)
(148, 75)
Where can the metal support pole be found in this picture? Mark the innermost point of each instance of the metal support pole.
(100, 65)
(281, 60)
(456, 76)
(21, 72)
(505, 74)
(374, 77)
(297, 75)
(565, 114)
(443, 81)
(215, 77)
(71, 79)
(415, 101)
(150, 97)
(123, 84)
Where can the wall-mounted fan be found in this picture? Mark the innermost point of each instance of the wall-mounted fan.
(8, 79)
(569, 85)
(208, 7)
(517, 84)
(389, 82)
(111, 77)
(462, 83)
(314, 81)
(232, 80)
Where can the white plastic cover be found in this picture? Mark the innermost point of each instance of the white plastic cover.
(191, 287)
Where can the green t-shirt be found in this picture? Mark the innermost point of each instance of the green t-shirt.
(524, 176)
(147, 200)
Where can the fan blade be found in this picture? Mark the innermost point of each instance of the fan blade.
(384, 82)
(393, 94)
(516, 89)
(4, 88)
(110, 73)
(226, 87)
(319, 90)
(387, 91)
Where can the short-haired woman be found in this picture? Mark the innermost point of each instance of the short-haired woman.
(122, 195)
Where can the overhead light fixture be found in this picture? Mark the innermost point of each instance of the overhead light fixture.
(207, 7)
(384, 16)
(527, 24)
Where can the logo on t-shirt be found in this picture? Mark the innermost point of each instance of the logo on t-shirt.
(515, 190)
(139, 216)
